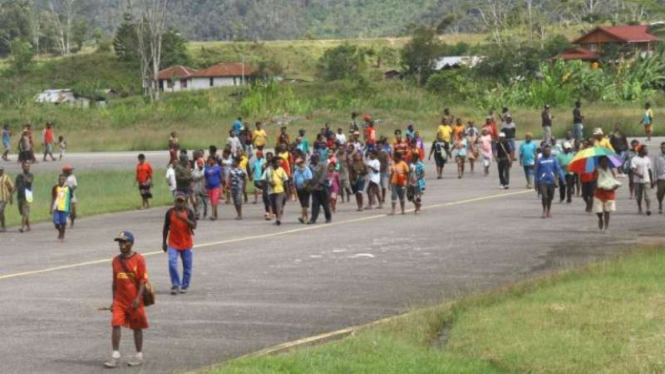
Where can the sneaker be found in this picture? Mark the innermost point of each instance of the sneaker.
(136, 361)
(112, 363)
(501, 187)
(506, 187)
(174, 290)
(183, 290)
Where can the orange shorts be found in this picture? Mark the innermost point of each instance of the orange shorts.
(647, 129)
(129, 317)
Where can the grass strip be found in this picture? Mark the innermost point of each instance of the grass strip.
(603, 318)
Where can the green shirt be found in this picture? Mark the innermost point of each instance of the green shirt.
(564, 160)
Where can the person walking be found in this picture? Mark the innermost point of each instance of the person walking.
(174, 147)
(417, 182)
(578, 121)
(23, 191)
(357, 173)
(170, 178)
(547, 171)
(374, 177)
(47, 141)
(619, 143)
(6, 142)
(399, 174)
(235, 183)
(527, 155)
(504, 160)
(647, 121)
(485, 145)
(460, 148)
(302, 178)
(320, 197)
(276, 179)
(130, 280)
(179, 226)
(565, 158)
(643, 178)
(659, 173)
(332, 179)
(6, 196)
(605, 195)
(199, 191)
(144, 180)
(546, 120)
(440, 151)
(73, 185)
(212, 176)
(260, 137)
(61, 197)
(510, 129)
(599, 139)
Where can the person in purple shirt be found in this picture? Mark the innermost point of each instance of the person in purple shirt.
(213, 180)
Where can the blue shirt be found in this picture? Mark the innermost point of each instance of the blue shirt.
(213, 176)
(237, 126)
(547, 168)
(5, 138)
(528, 153)
(301, 176)
(257, 172)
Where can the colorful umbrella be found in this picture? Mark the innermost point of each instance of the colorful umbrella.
(586, 160)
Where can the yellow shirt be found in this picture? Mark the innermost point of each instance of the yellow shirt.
(260, 138)
(243, 163)
(605, 143)
(445, 132)
(278, 177)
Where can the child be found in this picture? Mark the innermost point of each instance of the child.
(417, 181)
(144, 181)
(333, 185)
(235, 182)
(60, 204)
(62, 146)
(6, 141)
(485, 142)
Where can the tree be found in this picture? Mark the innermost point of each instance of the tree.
(125, 42)
(15, 23)
(174, 49)
(63, 13)
(150, 31)
(345, 61)
(420, 53)
(22, 55)
(80, 32)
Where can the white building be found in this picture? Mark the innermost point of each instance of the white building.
(182, 78)
(62, 97)
(456, 62)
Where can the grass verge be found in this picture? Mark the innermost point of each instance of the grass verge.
(99, 192)
(604, 318)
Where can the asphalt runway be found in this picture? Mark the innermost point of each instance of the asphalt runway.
(256, 285)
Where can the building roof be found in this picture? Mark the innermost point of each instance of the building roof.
(457, 61)
(177, 72)
(226, 70)
(578, 54)
(628, 33)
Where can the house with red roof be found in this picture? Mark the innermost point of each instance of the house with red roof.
(631, 38)
(182, 78)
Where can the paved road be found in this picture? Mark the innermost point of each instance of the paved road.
(256, 285)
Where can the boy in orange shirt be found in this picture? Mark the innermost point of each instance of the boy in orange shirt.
(144, 180)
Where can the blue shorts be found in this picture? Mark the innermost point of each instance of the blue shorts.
(359, 186)
(60, 218)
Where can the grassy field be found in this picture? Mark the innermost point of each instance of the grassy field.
(99, 192)
(605, 318)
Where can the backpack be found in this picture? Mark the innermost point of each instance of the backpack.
(183, 173)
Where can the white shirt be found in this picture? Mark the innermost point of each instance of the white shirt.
(235, 144)
(72, 183)
(641, 165)
(170, 178)
(374, 177)
(341, 138)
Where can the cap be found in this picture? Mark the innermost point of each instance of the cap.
(67, 167)
(502, 135)
(180, 196)
(125, 236)
(597, 131)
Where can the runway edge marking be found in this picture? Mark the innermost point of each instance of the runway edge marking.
(255, 237)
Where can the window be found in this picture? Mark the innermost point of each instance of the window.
(169, 83)
(212, 82)
(183, 83)
(234, 81)
(593, 47)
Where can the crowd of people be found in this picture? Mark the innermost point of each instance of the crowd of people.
(336, 165)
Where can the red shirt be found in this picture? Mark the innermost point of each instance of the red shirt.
(143, 172)
(400, 147)
(48, 136)
(125, 289)
(180, 235)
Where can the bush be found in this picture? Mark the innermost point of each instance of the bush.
(343, 62)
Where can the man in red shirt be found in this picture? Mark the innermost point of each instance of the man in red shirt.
(129, 281)
(179, 225)
(47, 141)
(144, 180)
